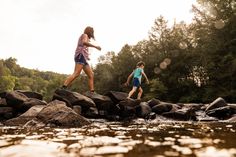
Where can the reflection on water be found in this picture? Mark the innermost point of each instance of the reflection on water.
(117, 139)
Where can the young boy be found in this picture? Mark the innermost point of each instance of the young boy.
(137, 76)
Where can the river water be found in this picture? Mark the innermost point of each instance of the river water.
(137, 138)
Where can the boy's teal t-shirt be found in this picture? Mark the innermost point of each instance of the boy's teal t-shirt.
(138, 73)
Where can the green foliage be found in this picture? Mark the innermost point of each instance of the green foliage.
(184, 63)
(201, 57)
(7, 83)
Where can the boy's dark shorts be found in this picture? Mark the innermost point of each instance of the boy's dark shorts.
(79, 59)
(136, 82)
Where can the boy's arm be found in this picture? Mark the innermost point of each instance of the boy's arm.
(145, 77)
(129, 77)
(86, 42)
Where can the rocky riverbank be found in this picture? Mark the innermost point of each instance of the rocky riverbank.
(72, 109)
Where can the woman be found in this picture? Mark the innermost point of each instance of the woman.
(81, 58)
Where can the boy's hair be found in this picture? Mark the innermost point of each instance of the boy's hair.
(140, 63)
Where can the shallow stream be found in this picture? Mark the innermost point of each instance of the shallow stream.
(137, 138)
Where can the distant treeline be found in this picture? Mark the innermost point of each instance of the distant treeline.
(185, 63)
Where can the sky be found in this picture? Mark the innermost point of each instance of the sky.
(43, 34)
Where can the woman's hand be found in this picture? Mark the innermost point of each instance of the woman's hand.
(98, 48)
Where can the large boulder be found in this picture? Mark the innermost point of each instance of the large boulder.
(162, 108)
(57, 113)
(73, 98)
(103, 103)
(127, 107)
(153, 102)
(21, 102)
(6, 113)
(219, 102)
(31, 94)
(143, 110)
(25, 117)
(15, 99)
(116, 97)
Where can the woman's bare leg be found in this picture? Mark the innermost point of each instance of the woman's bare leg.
(88, 70)
(77, 71)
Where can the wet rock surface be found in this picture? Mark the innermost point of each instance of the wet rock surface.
(124, 139)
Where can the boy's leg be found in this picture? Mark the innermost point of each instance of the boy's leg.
(140, 93)
(132, 91)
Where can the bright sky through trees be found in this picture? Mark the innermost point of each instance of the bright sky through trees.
(42, 34)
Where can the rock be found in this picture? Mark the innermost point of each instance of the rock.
(219, 102)
(151, 115)
(221, 112)
(181, 114)
(143, 110)
(3, 102)
(6, 113)
(92, 112)
(104, 104)
(192, 106)
(30, 102)
(162, 108)
(232, 119)
(116, 97)
(207, 119)
(233, 108)
(73, 98)
(77, 109)
(31, 94)
(27, 116)
(3, 94)
(34, 123)
(20, 102)
(33, 111)
(57, 113)
(15, 99)
(153, 102)
(128, 107)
